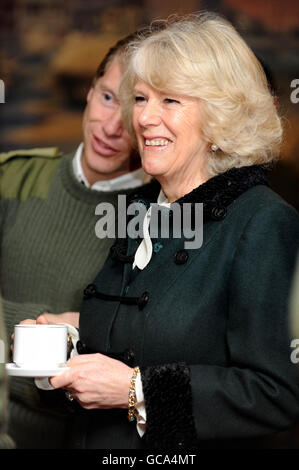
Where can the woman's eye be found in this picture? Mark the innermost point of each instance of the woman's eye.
(171, 100)
(139, 99)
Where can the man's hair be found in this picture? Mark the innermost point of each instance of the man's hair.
(120, 51)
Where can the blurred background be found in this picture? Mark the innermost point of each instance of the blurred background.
(49, 51)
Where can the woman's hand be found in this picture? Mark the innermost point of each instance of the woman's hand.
(96, 381)
(72, 318)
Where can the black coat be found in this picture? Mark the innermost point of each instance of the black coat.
(208, 327)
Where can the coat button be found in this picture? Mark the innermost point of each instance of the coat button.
(89, 291)
(143, 300)
(181, 257)
(81, 347)
(218, 213)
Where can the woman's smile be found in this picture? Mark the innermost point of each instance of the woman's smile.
(156, 143)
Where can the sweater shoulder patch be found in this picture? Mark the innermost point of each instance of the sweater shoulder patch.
(27, 173)
(47, 152)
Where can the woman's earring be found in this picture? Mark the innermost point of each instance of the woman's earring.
(214, 147)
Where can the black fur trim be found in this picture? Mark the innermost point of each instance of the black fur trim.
(218, 192)
(224, 188)
(168, 401)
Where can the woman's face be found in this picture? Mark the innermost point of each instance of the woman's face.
(168, 133)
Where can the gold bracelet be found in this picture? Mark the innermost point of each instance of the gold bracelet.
(132, 395)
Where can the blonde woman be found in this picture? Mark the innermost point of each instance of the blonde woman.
(207, 326)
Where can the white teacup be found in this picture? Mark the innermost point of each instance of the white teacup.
(40, 346)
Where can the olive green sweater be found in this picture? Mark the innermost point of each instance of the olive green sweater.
(49, 253)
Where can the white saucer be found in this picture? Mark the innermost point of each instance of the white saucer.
(12, 369)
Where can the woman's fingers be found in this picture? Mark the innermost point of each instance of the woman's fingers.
(43, 320)
(62, 380)
(96, 381)
(12, 339)
(71, 318)
(28, 321)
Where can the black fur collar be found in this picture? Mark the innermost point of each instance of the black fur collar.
(217, 193)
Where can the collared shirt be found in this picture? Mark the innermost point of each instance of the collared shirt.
(127, 181)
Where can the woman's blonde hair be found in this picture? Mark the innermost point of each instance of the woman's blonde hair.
(203, 56)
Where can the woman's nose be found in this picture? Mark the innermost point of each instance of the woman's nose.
(150, 115)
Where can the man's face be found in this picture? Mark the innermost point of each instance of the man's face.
(107, 145)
